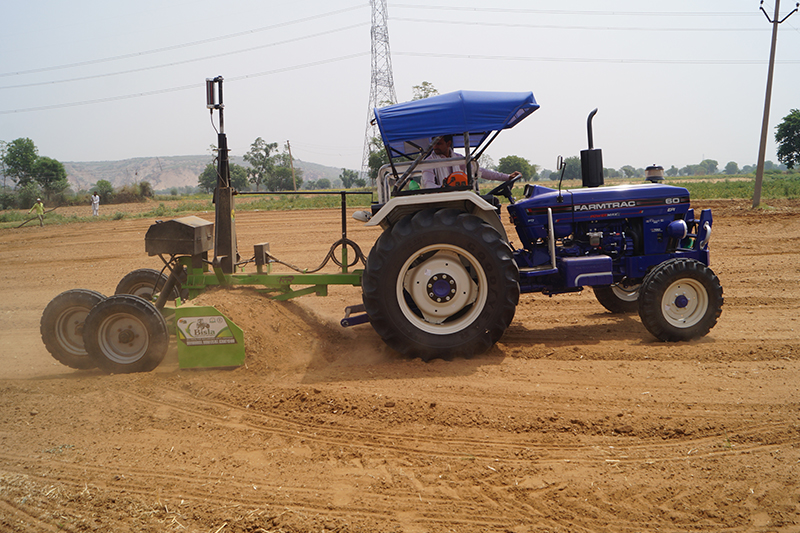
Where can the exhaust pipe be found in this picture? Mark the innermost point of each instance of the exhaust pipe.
(592, 159)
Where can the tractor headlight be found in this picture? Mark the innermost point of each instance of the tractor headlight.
(677, 229)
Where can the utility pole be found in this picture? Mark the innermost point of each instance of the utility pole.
(762, 150)
(291, 164)
(381, 81)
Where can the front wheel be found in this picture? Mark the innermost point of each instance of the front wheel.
(126, 333)
(440, 283)
(680, 300)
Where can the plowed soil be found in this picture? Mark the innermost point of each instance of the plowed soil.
(576, 421)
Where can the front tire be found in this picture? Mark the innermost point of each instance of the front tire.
(680, 300)
(126, 333)
(62, 325)
(440, 283)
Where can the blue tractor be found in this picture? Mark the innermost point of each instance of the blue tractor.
(443, 279)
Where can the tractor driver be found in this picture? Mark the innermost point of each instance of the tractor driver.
(443, 149)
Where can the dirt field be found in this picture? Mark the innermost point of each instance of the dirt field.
(576, 421)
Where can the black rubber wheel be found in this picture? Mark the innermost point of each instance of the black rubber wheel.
(680, 300)
(125, 333)
(440, 284)
(619, 298)
(62, 327)
(147, 283)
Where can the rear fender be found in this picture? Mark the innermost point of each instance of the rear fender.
(467, 201)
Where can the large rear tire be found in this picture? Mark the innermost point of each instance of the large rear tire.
(680, 300)
(147, 283)
(440, 283)
(62, 327)
(126, 333)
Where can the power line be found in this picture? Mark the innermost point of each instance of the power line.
(596, 60)
(183, 45)
(182, 87)
(175, 63)
(574, 12)
(582, 28)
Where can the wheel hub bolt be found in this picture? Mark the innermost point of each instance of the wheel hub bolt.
(126, 336)
(441, 288)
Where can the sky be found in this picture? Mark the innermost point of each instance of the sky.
(674, 82)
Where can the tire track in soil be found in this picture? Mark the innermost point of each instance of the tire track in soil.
(457, 448)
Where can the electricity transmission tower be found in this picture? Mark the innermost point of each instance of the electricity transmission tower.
(382, 84)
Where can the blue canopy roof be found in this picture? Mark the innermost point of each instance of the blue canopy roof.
(476, 112)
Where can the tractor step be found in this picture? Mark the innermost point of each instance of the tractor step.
(350, 320)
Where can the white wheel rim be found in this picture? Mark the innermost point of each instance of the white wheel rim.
(626, 295)
(143, 290)
(448, 282)
(123, 338)
(69, 330)
(685, 302)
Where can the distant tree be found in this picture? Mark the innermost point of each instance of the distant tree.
(282, 168)
(424, 90)
(173, 191)
(104, 189)
(19, 158)
(261, 162)
(611, 173)
(486, 161)
(238, 177)
(207, 181)
(732, 168)
(690, 170)
(27, 194)
(145, 189)
(50, 175)
(515, 163)
(787, 137)
(672, 171)
(280, 179)
(323, 183)
(377, 157)
(573, 170)
(628, 171)
(348, 177)
(748, 169)
(708, 167)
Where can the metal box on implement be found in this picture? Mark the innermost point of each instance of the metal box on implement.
(186, 236)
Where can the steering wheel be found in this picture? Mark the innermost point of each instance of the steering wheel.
(504, 189)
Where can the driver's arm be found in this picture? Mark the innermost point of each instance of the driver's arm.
(488, 174)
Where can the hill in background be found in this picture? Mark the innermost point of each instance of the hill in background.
(165, 172)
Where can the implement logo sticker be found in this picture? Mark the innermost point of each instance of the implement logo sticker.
(205, 331)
